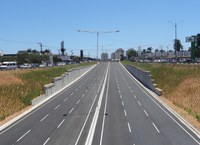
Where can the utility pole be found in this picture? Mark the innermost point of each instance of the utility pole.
(97, 34)
(175, 41)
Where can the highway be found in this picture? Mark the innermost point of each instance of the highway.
(105, 107)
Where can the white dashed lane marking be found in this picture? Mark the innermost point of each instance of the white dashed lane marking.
(44, 117)
(57, 107)
(146, 113)
(23, 135)
(156, 128)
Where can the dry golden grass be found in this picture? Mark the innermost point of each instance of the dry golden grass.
(182, 112)
(8, 78)
(187, 95)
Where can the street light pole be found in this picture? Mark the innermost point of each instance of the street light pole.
(98, 33)
(175, 26)
(40, 47)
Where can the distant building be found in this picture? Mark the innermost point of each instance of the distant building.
(119, 53)
(104, 56)
(1, 53)
(113, 56)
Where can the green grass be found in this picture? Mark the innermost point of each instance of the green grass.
(169, 77)
(15, 97)
(36, 79)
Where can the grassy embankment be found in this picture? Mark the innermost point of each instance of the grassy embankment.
(19, 87)
(180, 84)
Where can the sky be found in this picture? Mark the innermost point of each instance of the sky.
(144, 23)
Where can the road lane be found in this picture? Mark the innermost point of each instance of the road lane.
(43, 126)
(127, 115)
(135, 118)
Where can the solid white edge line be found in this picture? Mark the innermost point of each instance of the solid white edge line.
(80, 133)
(180, 118)
(23, 135)
(85, 120)
(105, 109)
(96, 114)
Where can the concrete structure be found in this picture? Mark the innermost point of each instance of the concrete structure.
(104, 56)
(145, 78)
(113, 55)
(119, 53)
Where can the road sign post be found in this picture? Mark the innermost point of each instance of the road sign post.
(192, 40)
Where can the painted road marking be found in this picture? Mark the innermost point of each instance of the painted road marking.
(122, 103)
(65, 99)
(61, 123)
(139, 103)
(82, 95)
(129, 128)
(146, 113)
(44, 117)
(156, 128)
(125, 113)
(46, 141)
(71, 110)
(57, 107)
(23, 135)
(78, 101)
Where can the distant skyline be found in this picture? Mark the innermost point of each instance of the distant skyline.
(25, 23)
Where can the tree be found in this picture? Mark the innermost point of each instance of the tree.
(131, 53)
(47, 51)
(62, 51)
(29, 50)
(197, 46)
(177, 45)
(149, 49)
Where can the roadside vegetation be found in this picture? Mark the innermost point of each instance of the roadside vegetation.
(19, 87)
(180, 84)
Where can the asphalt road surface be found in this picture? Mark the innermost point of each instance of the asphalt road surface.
(105, 107)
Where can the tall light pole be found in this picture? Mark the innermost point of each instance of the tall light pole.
(175, 26)
(40, 47)
(98, 33)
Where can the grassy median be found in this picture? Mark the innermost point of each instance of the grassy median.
(180, 83)
(19, 87)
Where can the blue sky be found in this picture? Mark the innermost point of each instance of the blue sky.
(141, 23)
